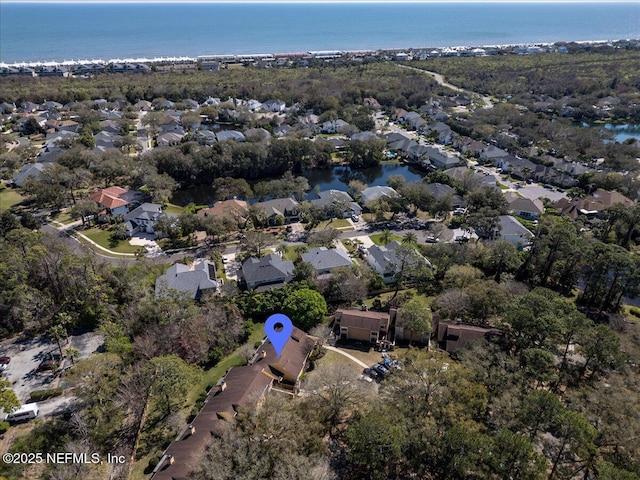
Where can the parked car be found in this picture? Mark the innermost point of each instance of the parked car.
(5, 360)
(380, 369)
(372, 373)
(355, 218)
(430, 239)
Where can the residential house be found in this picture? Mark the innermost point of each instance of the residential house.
(236, 210)
(592, 205)
(28, 171)
(114, 200)
(363, 325)
(192, 279)
(407, 335)
(442, 159)
(490, 153)
(441, 190)
(282, 130)
(51, 105)
(143, 218)
(456, 336)
(6, 107)
(169, 138)
(372, 103)
(325, 260)
(363, 136)
(442, 132)
(371, 194)
(267, 272)
(143, 106)
(413, 119)
(470, 179)
(274, 105)
(334, 126)
(386, 262)
(230, 135)
(517, 167)
(331, 198)
(524, 207)
(53, 71)
(512, 231)
(63, 125)
(280, 210)
(241, 386)
(105, 140)
(257, 134)
(190, 104)
(206, 137)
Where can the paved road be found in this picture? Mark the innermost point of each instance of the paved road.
(531, 191)
(440, 79)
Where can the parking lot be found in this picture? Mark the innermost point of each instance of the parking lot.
(27, 355)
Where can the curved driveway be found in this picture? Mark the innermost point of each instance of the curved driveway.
(349, 356)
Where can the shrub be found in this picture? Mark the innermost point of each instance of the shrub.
(40, 395)
(4, 426)
(635, 312)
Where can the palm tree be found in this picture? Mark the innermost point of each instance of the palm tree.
(409, 238)
(386, 237)
(281, 249)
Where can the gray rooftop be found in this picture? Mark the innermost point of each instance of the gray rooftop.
(191, 280)
(323, 258)
(267, 270)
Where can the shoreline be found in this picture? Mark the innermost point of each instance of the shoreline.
(310, 54)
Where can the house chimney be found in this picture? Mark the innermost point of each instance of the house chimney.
(192, 429)
(171, 459)
(223, 386)
(263, 354)
(364, 308)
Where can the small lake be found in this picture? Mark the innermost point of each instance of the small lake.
(337, 178)
(621, 131)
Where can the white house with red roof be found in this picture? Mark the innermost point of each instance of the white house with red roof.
(114, 200)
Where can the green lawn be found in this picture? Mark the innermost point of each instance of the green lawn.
(212, 376)
(341, 223)
(174, 209)
(292, 253)
(103, 238)
(9, 197)
(427, 301)
(377, 238)
(64, 217)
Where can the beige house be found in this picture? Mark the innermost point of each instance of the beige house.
(363, 325)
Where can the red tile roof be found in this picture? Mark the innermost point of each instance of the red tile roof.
(109, 197)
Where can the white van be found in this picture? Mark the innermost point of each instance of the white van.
(25, 412)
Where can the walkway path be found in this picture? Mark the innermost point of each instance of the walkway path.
(349, 356)
(70, 227)
(440, 79)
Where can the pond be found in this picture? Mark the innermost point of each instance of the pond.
(621, 131)
(319, 180)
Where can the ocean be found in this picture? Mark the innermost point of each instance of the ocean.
(31, 32)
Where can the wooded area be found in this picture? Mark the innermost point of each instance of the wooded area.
(555, 394)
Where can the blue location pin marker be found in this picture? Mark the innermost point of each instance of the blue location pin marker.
(278, 328)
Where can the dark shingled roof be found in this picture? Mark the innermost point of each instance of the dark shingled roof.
(363, 319)
(454, 336)
(235, 390)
